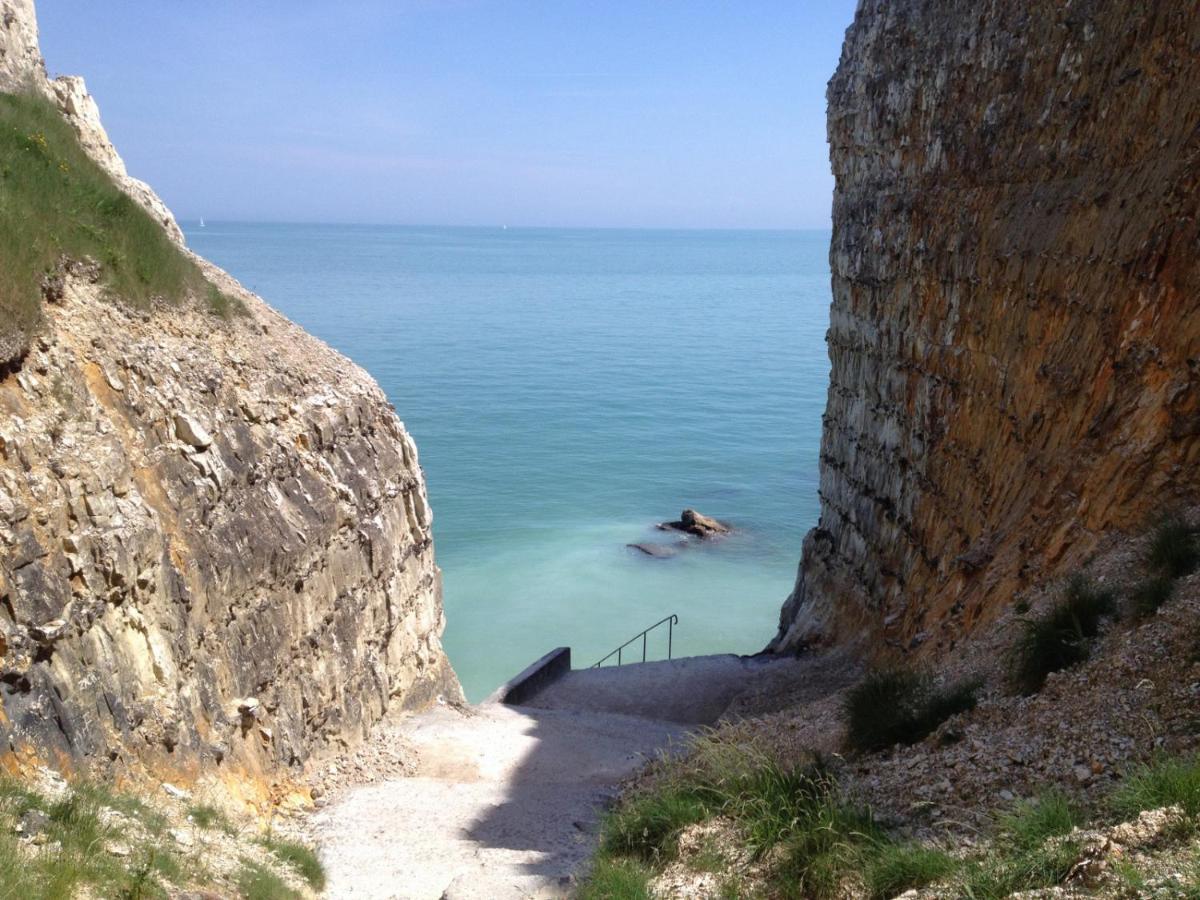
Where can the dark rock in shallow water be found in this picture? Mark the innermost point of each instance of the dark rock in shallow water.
(692, 522)
(658, 551)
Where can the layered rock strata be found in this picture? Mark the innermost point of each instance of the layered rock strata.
(1015, 328)
(215, 545)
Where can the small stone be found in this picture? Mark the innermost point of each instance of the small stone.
(33, 823)
(1082, 773)
(48, 632)
(249, 710)
(191, 432)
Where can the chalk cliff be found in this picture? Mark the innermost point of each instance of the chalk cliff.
(1015, 328)
(215, 545)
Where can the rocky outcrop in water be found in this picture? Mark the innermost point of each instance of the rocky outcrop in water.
(215, 545)
(1015, 329)
(696, 524)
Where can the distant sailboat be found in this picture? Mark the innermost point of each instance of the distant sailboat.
(202, 221)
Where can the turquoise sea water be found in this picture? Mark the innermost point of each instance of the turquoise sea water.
(567, 389)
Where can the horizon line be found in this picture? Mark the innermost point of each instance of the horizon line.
(195, 221)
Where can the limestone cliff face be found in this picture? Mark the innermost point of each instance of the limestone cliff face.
(215, 546)
(1015, 329)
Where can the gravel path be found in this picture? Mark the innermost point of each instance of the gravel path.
(501, 802)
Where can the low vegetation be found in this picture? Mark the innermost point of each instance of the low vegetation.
(1148, 596)
(897, 706)
(1060, 637)
(89, 840)
(617, 879)
(1165, 782)
(299, 857)
(794, 821)
(55, 203)
(1174, 552)
(793, 832)
(1029, 851)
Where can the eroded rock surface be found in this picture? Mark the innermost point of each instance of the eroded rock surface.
(1015, 330)
(215, 546)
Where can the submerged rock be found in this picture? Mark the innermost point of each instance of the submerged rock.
(658, 551)
(698, 524)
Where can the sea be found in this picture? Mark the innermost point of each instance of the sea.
(568, 389)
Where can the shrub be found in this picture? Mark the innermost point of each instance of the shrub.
(1148, 596)
(1059, 638)
(1164, 782)
(897, 706)
(1173, 551)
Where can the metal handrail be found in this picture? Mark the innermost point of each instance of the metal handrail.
(671, 621)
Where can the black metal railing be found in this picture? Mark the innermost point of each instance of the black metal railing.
(670, 621)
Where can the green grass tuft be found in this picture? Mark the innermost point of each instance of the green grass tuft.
(300, 857)
(1059, 638)
(1030, 850)
(1150, 595)
(256, 882)
(612, 879)
(897, 706)
(1173, 549)
(891, 869)
(1164, 782)
(208, 816)
(647, 825)
(1032, 822)
(222, 305)
(55, 202)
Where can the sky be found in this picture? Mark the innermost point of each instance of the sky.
(605, 113)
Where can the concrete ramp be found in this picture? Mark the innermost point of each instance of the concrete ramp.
(692, 690)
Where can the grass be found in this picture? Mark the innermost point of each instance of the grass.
(794, 817)
(1148, 596)
(617, 879)
(206, 816)
(83, 828)
(898, 706)
(1029, 851)
(55, 202)
(895, 868)
(811, 842)
(647, 824)
(256, 882)
(1173, 549)
(1164, 782)
(300, 857)
(1059, 638)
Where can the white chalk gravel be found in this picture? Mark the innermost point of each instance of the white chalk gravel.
(504, 801)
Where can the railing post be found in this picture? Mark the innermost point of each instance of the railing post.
(618, 656)
(670, 635)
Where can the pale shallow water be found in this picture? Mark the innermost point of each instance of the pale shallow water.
(567, 389)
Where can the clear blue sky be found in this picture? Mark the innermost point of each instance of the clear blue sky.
(466, 112)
